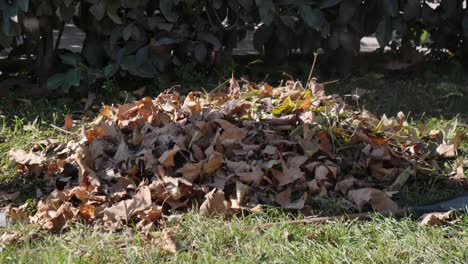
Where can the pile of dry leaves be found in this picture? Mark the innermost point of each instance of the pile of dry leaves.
(229, 151)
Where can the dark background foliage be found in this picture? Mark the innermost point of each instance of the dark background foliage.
(136, 39)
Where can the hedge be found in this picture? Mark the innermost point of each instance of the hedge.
(143, 38)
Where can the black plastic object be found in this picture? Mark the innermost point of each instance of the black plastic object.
(457, 203)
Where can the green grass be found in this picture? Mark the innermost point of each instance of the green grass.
(242, 240)
(418, 97)
(20, 125)
(18, 138)
(12, 138)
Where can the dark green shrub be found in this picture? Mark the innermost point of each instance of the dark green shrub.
(33, 22)
(143, 38)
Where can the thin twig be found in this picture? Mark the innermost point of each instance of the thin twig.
(219, 86)
(171, 89)
(312, 68)
(330, 82)
(62, 130)
(323, 220)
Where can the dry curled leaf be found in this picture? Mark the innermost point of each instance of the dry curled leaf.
(214, 162)
(447, 150)
(125, 210)
(377, 199)
(325, 144)
(19, 156)
(254, 176)
(10, 237)
(123, 152)
(349, 184)
(230, 131)
(215, 203)
(436, 218)
(190, 171)
(167, 158)
(88, 176)
(58, 219)
(284, 199)
(68, 122)
(169, 242)
(291, 170)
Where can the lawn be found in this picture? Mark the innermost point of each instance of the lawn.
(244, 238)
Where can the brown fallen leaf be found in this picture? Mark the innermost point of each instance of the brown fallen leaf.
(234, 87)
(270, 150)
(214, 203)
(436, 218)
(267, 88)
(167, 158)
(153, 214)
(68, 122)
(16, 214)
(447, 150)
(325, 145)
(8, 238)
(60, 218)
(381, 173)
(192, 104)
(459, 177)
(122, 185)
(125, 210)
(230, 131)
(123, 152)
(237, 167)
(377, 199)
(291, 170)
(169, 242)
(87, 211)
(19, 156)
(284, 199)
(88, 176)
(190, 171)
(317, 188)
(215, 161)
(318, 90)
(349, 184)
(255, 176)
(198, 152)
(324, 173)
